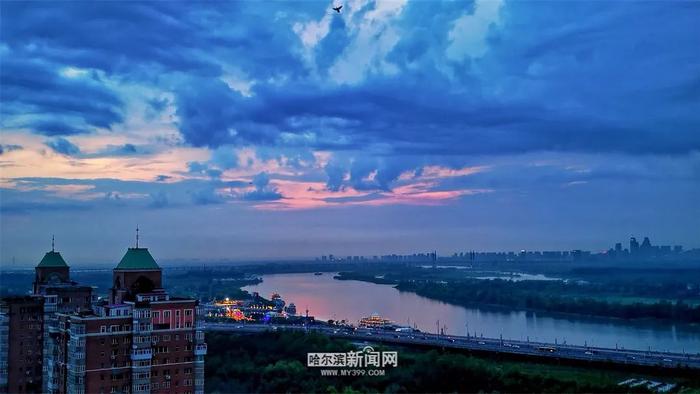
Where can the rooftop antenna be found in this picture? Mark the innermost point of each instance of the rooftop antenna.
(52, 242)
(137, 236)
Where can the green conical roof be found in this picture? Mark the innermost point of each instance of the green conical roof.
(52, 259)
(137, 259)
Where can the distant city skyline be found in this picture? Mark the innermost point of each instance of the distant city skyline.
(77, 259)
(254, 130)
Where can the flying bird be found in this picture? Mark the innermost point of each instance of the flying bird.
(337, 9)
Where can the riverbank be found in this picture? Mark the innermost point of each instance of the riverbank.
(536, 296)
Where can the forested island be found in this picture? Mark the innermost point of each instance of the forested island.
(538, 296)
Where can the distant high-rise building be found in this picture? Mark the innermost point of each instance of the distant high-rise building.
(618, 247)
(634, 246)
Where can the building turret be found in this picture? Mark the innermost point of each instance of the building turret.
(136, 273)
(51, 270)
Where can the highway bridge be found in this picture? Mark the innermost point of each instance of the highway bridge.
(536, 349)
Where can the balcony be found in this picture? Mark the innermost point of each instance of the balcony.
(200, 350)
(141, 354)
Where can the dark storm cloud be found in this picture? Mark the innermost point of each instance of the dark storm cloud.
(263, 190)
(146, 38)
(336, 175)
(138, 42)
(367, 173)
(560, 82)
(59, 105)
(609, 91)
(9, 148)
(55, 127)
(421, 120)
(123, 150)
(63, 146)
(140, 35)
(209, 111)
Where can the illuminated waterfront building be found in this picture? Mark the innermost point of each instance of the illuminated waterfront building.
(375, 321)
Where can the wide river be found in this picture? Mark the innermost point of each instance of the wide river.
(327, 298)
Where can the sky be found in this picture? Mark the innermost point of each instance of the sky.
(265, 130)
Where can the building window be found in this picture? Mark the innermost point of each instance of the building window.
(103, 328)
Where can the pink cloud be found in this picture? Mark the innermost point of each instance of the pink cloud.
(312, 195)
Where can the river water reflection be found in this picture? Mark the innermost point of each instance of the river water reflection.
(327, 298)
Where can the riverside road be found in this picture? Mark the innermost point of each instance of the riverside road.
(537, 349)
